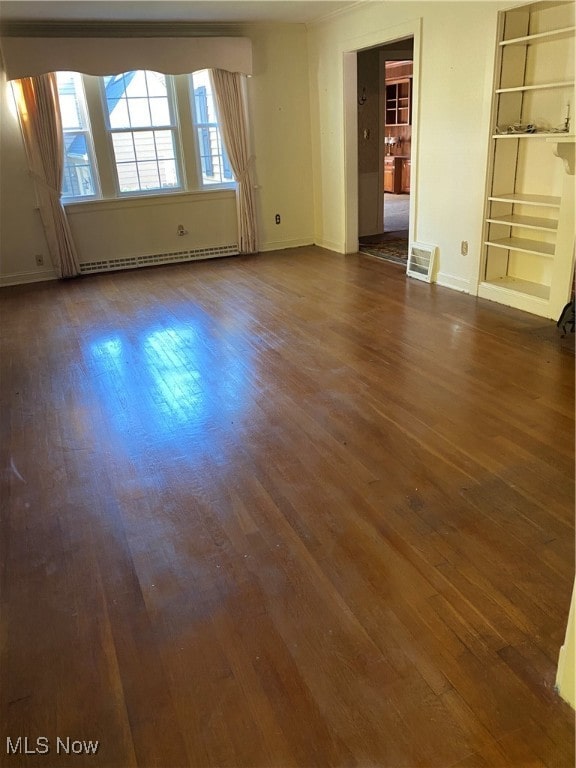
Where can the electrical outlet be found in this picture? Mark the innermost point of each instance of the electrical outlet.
(39, 260)
(464, 247)
(277, 218)
(181, 230)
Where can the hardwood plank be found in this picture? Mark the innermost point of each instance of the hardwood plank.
(287, 509)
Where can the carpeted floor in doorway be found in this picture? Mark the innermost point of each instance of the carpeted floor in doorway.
(395, 250)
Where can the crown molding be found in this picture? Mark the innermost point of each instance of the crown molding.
(339, 12)
(116, 29)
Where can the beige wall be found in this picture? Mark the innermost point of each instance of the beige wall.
(280, 122)
(280, 116)
(21, 233)
(456, 63)
(566, 678)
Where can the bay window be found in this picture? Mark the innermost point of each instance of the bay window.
(135, 125)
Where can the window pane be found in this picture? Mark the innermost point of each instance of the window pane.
(115, 87)
(146, 160)
(164, 144)
(123, 147)
(118, 113)
(79, 178)
(139, 113)
(155, 164)
(135, 84)
(160, 111)
(70, 112)
(128, 177)
(168, 173)
(214, 163)
(149, 176)
(70, 95)
(156, 84)
(144, 144)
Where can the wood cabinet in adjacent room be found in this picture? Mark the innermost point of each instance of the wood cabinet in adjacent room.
(396, 174)
(392, 174)
(399, 101)
(405, 184)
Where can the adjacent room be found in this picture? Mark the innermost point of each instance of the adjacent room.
(268, 497)
(385, 84)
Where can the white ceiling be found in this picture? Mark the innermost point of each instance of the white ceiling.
(295, 11)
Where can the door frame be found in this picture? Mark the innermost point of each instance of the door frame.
(350, 94)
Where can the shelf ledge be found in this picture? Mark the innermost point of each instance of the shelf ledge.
(519, 198)
(517, 286)
(528, 222)
(552, 135)
(541, 87)
(523, 245)
(541, 37)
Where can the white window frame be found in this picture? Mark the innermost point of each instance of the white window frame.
(87, 132)
(173, 127)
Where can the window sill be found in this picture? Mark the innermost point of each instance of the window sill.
(143, 201)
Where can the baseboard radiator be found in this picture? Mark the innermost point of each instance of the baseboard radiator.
(132, 262)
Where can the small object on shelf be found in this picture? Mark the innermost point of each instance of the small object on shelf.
(517, 128)
(567, 119)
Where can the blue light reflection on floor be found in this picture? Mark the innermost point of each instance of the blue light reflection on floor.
(173, 361)
(167, 382)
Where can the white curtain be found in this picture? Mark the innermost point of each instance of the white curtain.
(39, 110)
(234, 128)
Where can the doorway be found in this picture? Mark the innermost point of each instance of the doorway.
(352, 93)
(384, 87)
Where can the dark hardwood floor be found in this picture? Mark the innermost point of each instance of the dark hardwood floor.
(283, 510)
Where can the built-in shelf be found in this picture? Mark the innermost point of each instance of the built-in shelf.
(528, 222)
(536, 290)
(537, 135)
(542, 87)
(531, 269)
(541, 37)
(519, 198)
(523, 245)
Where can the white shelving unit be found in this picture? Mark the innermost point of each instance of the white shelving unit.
(528, 253)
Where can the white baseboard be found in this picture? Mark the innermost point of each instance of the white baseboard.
(21, 278)
(278, 245)
(330, 245)
(451, 281)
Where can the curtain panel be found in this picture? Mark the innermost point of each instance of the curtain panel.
(39, 112)
(231, 106)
